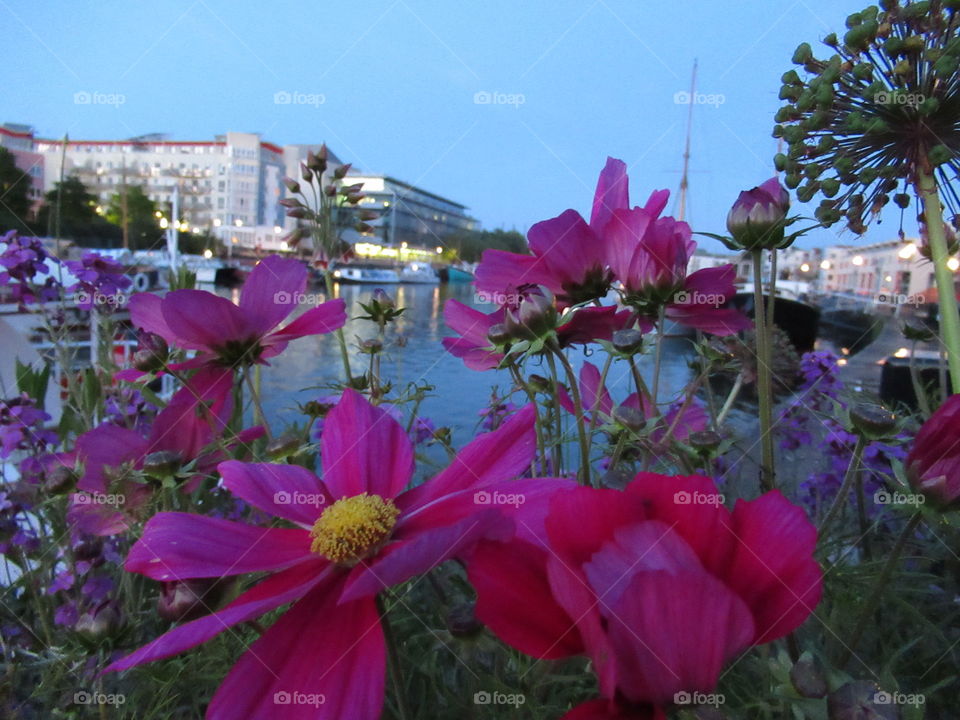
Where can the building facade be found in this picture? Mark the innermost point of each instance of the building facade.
(230, 187)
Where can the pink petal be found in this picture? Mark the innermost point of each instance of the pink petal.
(773, 566)
(203, 321)
(612, 192)
(317, 651)
(515, 601)
(566, 249)
(582, 519)
(324, 318)
(717, 321)
(692, 506)
(657, 202)
(470, 323)
(593, 394)
(107, 446)
(288, 491)
(95, 518)
(271, 593)
(363, 449)
(501, 273)
(491, 457)
(607, 710)
(674, 631)
(473, 357)
(272, 291)
(176, 546)
(146, 314)
(401, 560)
(647, 546)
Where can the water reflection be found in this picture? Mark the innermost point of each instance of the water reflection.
(458, 394)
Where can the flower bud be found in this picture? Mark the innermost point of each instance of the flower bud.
(341, 172)
(917, 330)
(152, 352)
(757, 219)
(858, 701)
(630, 418)
(283, 447)
(462, 620)
(305, 172)
(872, 421)
(808, 677)
(628, 341)
(292, 185)
(704, 441)
(499, 335)
(540, 383)
(535, 316)
(371, 346)
(162, 464)
(60, 480)
(933, 464)
(183, 600)
(98, 623)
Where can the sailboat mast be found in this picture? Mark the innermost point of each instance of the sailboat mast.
(684, 181)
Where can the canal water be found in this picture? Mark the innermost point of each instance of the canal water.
(458, 395)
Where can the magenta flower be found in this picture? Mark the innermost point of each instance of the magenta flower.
(230, 335)
(569, 255)
(757, 219)
(355, 532)
(660, 585)
(933, 465)
(682, 419)
(111, 497)
(649, 256)
(474, 347)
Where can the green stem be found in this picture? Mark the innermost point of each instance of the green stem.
(581, 422)
(940, 254)
(852, 469)
(731, 399)
(923, 402)
(657, 358)
(259, 417)
(595, 410)
(341, 340)
(532, 396)
(764, 379)
(393, 662)
(558, 439)
(876, 593)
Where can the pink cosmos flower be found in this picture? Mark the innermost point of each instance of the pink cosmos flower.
(110, 498)
(660, 585)
(235, 335)
(683, 419)
(569, 255)
(649, 256)
(933, 465)
(580, 327)
(354, 533)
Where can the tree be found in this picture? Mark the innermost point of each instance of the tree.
(14, 193)
(138, 210)
(79, 220)
(471, 244)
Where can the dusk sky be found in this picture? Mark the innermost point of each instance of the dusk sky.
(399, 87)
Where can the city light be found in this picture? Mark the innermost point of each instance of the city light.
(208, 253)
(907, 251)
(277, 229)
(439, 250)
(953, 264)
(164, 223)
(825, 265)
(217, 222)
(238, 222)
(857, 260)
(805, 267)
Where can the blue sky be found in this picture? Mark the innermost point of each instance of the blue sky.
(392, 85)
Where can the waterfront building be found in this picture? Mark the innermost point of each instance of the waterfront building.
(885, 268)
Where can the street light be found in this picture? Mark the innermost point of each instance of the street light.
(805, 268)
(825, 265)
(907, 251)
(953, 264)
(857, 260)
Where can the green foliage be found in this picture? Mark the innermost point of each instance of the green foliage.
(78, 217)
(471, 244)
(15, 190)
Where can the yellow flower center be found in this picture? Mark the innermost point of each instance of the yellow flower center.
(353, 528)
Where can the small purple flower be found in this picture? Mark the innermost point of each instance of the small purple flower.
(100, 281)
(423, 430)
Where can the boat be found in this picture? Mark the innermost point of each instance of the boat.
(365, 275)
(419, 273)
(456, 274)
(795, 316)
